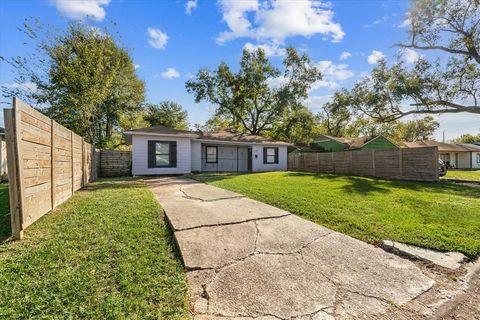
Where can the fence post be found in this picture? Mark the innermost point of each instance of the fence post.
(373, 163)
(13, 174)
(83, 163)
(71, 154)
(333, 162)
(318, 162)
(400, 160)
(52, 161)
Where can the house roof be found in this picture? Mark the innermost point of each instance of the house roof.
(220, 135)
(471, 147)
(442, 147)
(349, 142)
(232, 136)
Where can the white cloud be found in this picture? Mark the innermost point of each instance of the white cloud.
(378, 21)
(277, 20)
(191, 4)
(410, 56)
(170, 73)
(405, 23)
(375, 56)
(158, 39)
(277, 82)
(271, 50)
(315, 103)
(331, 74)
(136, 66)
(25, 86)
(345, 55)
(79, 9)
(334, 71)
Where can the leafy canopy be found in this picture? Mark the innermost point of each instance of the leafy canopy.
(249, 100)
(449, 85)
(84, 79)
(167, 113)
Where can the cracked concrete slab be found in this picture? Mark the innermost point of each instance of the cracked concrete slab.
(217, 246)
(247, 260)
(360, 267)
(451, 260)
(205, 192)
(287, 234)
(284, 286)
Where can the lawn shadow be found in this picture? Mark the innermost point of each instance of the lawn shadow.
(367, 184)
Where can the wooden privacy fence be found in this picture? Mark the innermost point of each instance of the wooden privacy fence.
(47, 163)
(115, 163)
(406, 164)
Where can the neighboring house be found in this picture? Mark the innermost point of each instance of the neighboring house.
(3, 154)
(461, 156)
(162, 150)
(335, 144)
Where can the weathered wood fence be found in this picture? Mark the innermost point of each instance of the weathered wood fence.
(47, 163)
(115, 163)
(419, 164)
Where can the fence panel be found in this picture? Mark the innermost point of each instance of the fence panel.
(115, 163)
(407, 164)
(46, 164)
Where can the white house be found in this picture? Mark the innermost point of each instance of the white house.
(162, 150)
(3, 154)
(459, 156)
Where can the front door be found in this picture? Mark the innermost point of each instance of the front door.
(249, 159)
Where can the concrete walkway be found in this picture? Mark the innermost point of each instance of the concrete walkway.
(245, 259)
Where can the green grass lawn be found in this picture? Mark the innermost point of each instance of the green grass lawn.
(473, 175)
(4, 212)
(441, 215)
(104, 254)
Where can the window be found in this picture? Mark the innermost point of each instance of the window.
(212, 154)
(270, 155)
(478, 157)
(162, 154)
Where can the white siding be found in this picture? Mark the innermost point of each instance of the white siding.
(140, 156)
(475, 160)
(257, 159)
(196, 156)
(463, 160)
(3, 157)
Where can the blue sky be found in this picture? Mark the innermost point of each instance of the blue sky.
(171, 40)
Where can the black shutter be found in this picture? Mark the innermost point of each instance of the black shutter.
(151, 154)
(173, 154)
(276, 155)
(264, 155)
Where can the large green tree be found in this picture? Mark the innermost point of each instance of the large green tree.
(167, 113)
(84, 79)
(448, 84)
(249, 100)
(337, 119)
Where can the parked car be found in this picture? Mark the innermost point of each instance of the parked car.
(442, 168)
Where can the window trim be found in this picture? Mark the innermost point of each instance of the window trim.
(478, 157)
(172, 154)
(266, 155)
(206, 154)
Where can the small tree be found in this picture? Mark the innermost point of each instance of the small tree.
(167, 113)
(83, 78)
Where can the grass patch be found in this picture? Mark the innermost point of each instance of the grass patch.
(441, 216)
(472, 175)
(5, 230)
(106, 253)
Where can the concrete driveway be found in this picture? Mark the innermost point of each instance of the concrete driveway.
(246, 259)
